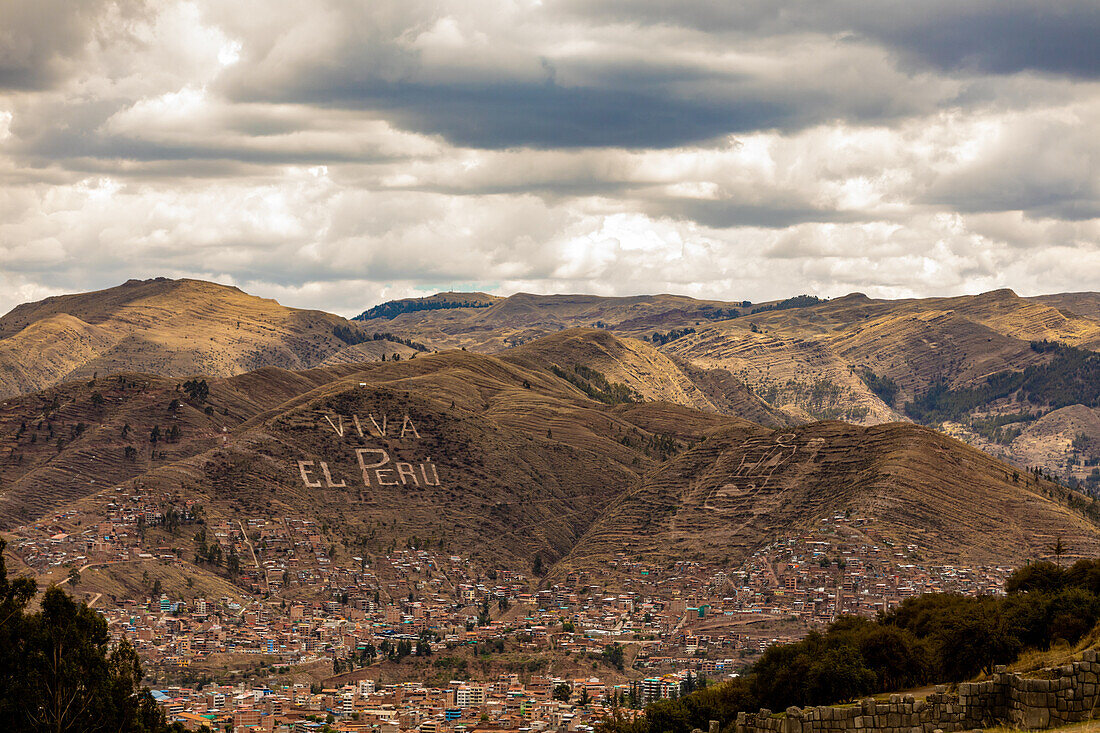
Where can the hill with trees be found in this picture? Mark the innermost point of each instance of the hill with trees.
(58, 672)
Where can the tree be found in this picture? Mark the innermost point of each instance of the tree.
(613, 655)
(536, 565)
(57, 672)
(14, 597)
(233, 563)
(584, 699)
(197, 389)
(74, 577)
(1058, 549)
(562, 692)
(1041, 576)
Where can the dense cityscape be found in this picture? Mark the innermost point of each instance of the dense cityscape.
(355, 623)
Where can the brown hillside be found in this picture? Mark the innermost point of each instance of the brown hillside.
(651, 374)
(745, 486)
(171, 328)
(798, 364)
(524, 317)
(524, 461)
(507, 461)
(810, 362)
(1054, 434)
(58, 445)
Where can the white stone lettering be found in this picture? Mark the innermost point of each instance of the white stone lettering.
(424, 472)
(378, 426)
(365, 467)
(406, 469)
(302, 468)
(328, 478)
(408, 425)
(339, 431)
(375, 464)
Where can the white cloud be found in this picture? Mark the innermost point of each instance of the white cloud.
(334, 154)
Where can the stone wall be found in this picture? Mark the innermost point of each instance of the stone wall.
(1057, 696)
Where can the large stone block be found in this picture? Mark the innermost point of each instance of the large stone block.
(1037, 718)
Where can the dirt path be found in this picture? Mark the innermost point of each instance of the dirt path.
(248, 542)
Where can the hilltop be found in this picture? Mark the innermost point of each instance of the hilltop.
(649, 373)
(937, 361)
(858, 359)
(170, 328)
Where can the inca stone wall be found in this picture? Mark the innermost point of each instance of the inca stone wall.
(1060, 695)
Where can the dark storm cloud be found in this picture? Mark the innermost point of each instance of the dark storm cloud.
(995, 37)
(862, 65)
(985, 36)
(546, 115)
(656, 106)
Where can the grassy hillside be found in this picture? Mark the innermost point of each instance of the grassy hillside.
(171, 328)
(529, 453)
(812, 359)
(745, 485)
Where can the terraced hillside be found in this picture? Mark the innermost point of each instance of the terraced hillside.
(523, 317)
(745, 485)
(509, 457)
(650, 374)
(853, 358)
(71, 441)
(171, 328)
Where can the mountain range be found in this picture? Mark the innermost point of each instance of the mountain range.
(956, 363)
(573, 429)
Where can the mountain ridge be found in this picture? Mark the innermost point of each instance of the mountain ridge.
(500, 455)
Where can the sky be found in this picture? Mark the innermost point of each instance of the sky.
(335, 154)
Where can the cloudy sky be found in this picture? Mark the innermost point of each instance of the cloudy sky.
(334, 154)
